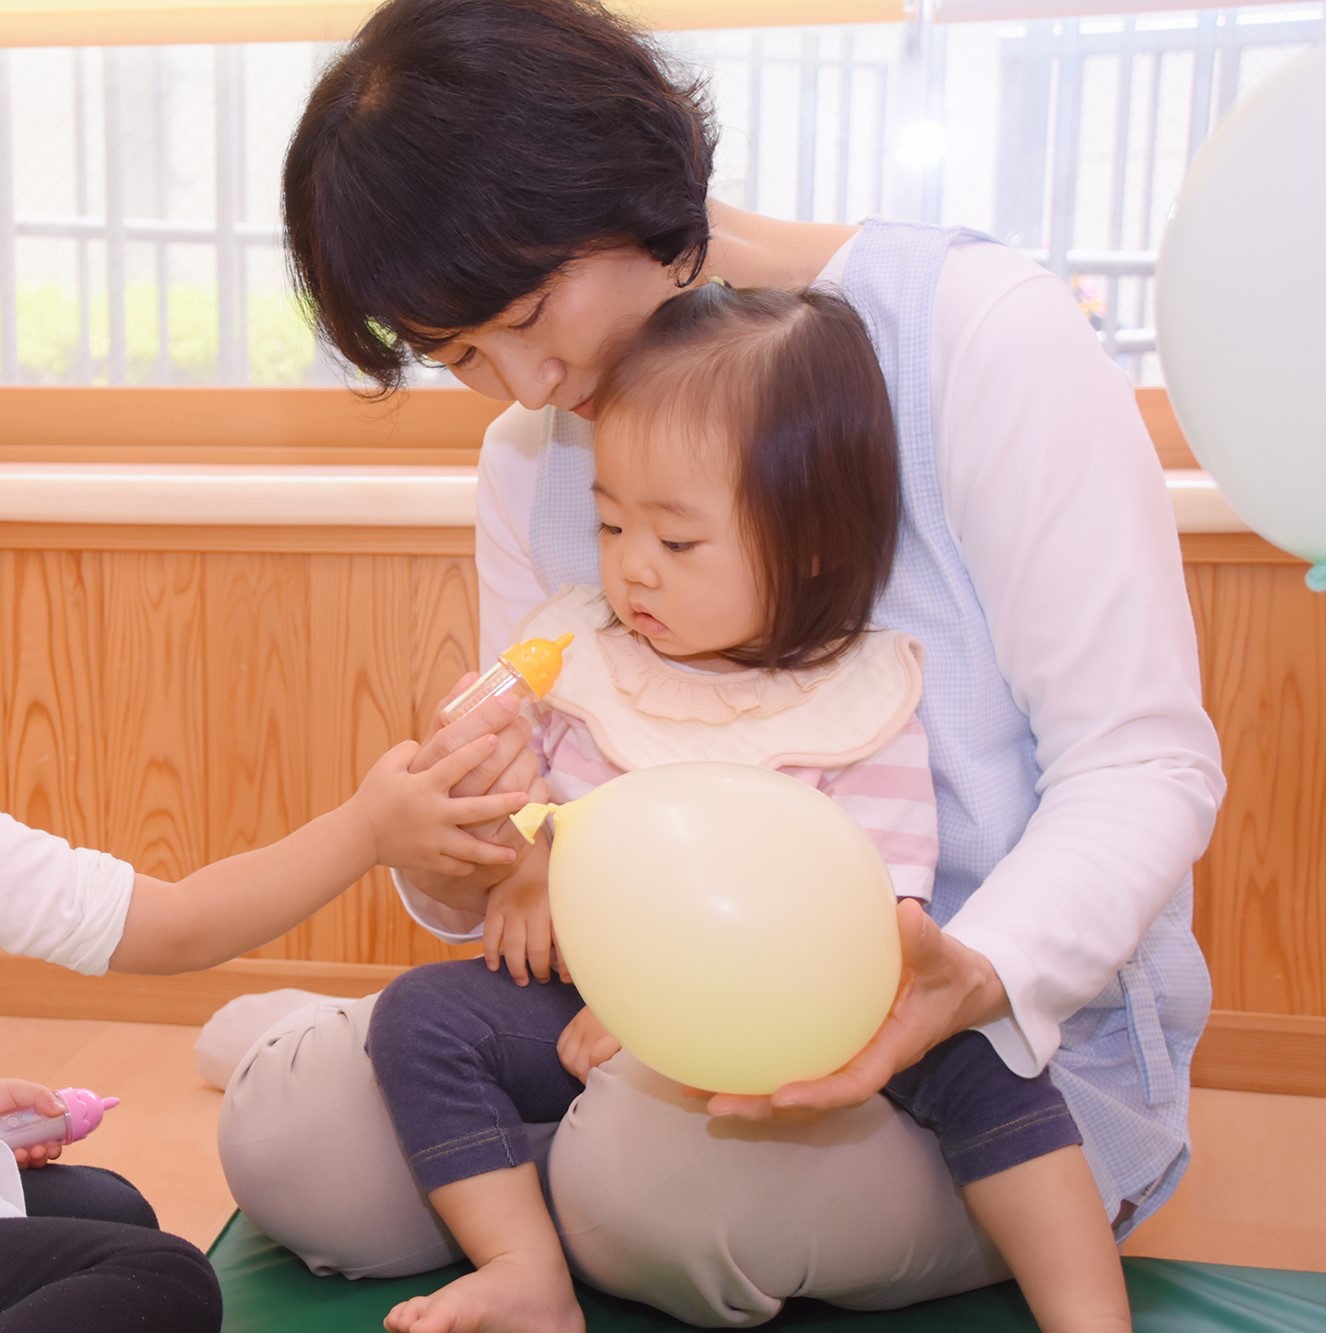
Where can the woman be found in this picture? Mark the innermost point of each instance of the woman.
(508, 187)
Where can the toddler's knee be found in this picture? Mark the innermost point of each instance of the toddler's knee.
(406, 1002)
(435, 1003)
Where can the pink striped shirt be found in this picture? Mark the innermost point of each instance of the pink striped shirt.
(890, 794)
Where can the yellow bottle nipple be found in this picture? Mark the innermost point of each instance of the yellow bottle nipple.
(538, 662)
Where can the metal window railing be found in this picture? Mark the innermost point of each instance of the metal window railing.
(139, 236)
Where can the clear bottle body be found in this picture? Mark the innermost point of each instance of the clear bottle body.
(23, 1129)
(501, 678)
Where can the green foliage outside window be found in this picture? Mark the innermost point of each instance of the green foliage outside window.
(280, 345)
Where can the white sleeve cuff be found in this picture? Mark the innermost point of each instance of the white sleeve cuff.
(12, 1202)
(1027, 1039)
(435, 917)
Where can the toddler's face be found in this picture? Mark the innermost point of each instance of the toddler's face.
(674, 566)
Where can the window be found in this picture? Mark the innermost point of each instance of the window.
(139, 217)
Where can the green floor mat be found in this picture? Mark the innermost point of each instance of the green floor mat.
(268, 1290)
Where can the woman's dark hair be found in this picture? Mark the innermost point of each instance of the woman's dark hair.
(791, 382)
(459, 152)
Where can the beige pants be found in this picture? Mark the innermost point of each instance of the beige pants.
(715, 1222)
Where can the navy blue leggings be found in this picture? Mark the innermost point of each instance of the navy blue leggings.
(465, 1058)
(985, 1117)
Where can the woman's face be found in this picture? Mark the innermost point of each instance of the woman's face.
(551, 346)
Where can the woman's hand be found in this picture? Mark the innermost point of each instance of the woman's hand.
(946, 988)
(585, 1044)
(18, 1094)
(512, 766)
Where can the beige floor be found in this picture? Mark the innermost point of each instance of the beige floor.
(1256, 1193)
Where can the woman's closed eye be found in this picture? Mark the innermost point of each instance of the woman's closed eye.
(432, 361)
(532, 318)
(466, 358)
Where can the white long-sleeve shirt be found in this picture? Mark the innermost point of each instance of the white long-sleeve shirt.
(61, 903)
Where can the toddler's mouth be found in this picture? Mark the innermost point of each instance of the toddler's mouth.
(644, 623)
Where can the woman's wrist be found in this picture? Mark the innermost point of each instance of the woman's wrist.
(986, 1000)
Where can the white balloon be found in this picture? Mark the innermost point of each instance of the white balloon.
(1241, 308)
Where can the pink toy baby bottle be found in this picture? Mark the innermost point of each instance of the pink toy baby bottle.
(83, 1112)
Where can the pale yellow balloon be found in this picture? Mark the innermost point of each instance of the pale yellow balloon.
(732, 927)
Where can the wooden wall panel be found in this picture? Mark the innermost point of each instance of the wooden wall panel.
(445, 629)
(257, 702)
(1261, 912)
(54, 662)
(177, 706)
(153, 681)
(174, 707)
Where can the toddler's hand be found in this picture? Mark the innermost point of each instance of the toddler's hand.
(517, 927)
(585, 1044)
(18, 1094)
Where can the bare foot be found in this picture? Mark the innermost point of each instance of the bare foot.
(512, 1293)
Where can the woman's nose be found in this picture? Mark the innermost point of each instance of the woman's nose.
(533, 382)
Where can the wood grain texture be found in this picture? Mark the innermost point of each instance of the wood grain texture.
(55, 758)
(175, 707)
(33, 989)
(152, 678)
(245, 424)
(257, 702)
(1257, 1052)
(1261, 914)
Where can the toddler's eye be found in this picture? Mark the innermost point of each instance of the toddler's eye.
(678, 547)
(607, 530)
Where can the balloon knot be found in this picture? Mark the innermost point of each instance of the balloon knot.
(1315, 578)
(529, 818)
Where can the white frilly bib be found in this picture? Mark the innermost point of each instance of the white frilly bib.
(642, 709)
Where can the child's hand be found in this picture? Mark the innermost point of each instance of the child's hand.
(413, 820)
(512, 765)
(517, 927)
(585, 1044)
(17, 1094)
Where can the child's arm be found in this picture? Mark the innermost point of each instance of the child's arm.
(395, 818)
(517, 923)
(18, 1094)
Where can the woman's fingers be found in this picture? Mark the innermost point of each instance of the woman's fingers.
(495, 715)
(936, 981)
(468, 851)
